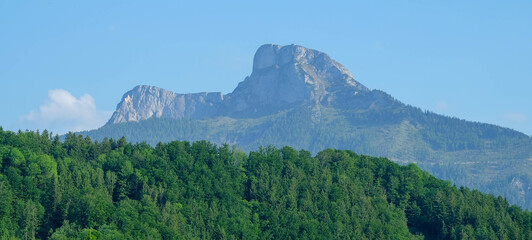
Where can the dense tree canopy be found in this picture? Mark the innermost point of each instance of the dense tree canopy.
(117, 190)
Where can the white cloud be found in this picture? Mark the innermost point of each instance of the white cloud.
(62, 112)
(516, 117)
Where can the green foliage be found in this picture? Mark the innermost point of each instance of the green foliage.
(81, 189)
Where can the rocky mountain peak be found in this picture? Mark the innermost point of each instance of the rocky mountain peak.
(282, 77)
(271, 55)
(143, 102)
(286, 75)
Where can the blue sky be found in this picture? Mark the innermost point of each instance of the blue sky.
(64, 65)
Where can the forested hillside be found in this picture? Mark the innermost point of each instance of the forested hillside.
(492, 159)
(117, 190)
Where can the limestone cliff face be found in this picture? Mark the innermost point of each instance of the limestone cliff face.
(282, 77)
(286, 76)
(144, 102)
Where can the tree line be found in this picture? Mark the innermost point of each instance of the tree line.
(84, 189)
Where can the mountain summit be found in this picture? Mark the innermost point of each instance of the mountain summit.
(300, 97)
(282, 77)
(286, 76)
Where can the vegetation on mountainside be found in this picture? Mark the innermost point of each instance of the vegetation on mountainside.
(117, 190)
(481, 156)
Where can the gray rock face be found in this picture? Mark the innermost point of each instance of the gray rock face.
(282, 77)
(144, 102)
(291, 75)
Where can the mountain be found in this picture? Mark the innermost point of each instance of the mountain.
(302, 98)
(80, 189)
(282, 78)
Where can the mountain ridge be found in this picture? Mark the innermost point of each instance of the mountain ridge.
(143, 102)
(282, 77)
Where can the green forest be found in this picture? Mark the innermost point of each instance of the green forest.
(486, 157)
(111, 189)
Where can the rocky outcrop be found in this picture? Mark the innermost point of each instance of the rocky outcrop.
(286, 76)
(144, 102)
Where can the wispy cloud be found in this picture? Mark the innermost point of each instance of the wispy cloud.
(377, 46)
(442, 106)
(516, 117)
(62, 112)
